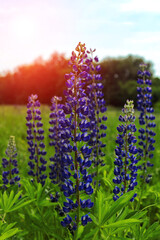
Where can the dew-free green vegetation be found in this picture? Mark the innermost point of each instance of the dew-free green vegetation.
(34, 216)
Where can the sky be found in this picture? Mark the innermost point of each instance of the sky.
(33, 28)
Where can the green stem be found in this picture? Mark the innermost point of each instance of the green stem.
(58, 168)
(4, 215)
(142, 187)
(10, 176)
(97, 129)
(75, 160)
(125, 164)
(43, 223)
(36, 147)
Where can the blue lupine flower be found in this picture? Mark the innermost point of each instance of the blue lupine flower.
(35, 139)
(146, 118)
(54, 198)
(85, 219)
(125, 170)
(60, 135)
(96, 105)
(77, 112)
(66, 221)
(10, 174)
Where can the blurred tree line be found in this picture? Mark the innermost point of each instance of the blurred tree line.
(46, 78)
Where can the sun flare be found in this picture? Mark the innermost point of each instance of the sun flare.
(23, 28)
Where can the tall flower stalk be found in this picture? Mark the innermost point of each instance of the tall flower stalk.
(97, 107)
(10, 174)
(35, 139)
(146, 118)
(77, 111)
(60, 134)
(125, 170)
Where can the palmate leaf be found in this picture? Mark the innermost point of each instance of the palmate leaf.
(56, 236)
(4, 227)
(117, 206)
(37, 192)
(136, 228)
(137, 215)
(122, 214)
(30, 191)
(100, 208)
(104, 213)
(119, 226)
(153, 230)
(123, 223)
(91, 234)
(106, 236)
(7, 230)
(119, 238)
(20, 204)
(9, 233)
(11, 202)
(6, 202)
(40, 192)
(38, 225)
(107, 182)
(79, 233)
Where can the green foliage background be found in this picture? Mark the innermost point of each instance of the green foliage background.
(46, 78)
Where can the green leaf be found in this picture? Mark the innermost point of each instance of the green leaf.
(100, 203)
(95, 235)
(46, 203)
(122, 214)
(56, 236)
(40, 191)
(6, 202)
(100, 208)
(29, 188)
(155, 227)
(119, 238)
(89, 233)
(13, 200)
(143, 228)
(80, 231)
(5, 227)
(107, 182)
(118, 205)
(9, 233)
(20, 205)
(104, 234)
(138, 215)
(10, 198)
(94, 219)
(122, 223)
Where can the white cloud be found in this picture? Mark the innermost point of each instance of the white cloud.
(141, 6)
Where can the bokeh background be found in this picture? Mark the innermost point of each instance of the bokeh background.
(37, 38)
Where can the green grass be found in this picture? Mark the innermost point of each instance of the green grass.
(13, 122)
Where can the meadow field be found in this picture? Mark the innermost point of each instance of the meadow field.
(13, 123)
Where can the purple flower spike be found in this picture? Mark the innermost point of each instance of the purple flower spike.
(146, 118)
(76, 136)
(35, 139)
(125, 170)
(60, 134)
(9, 175)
